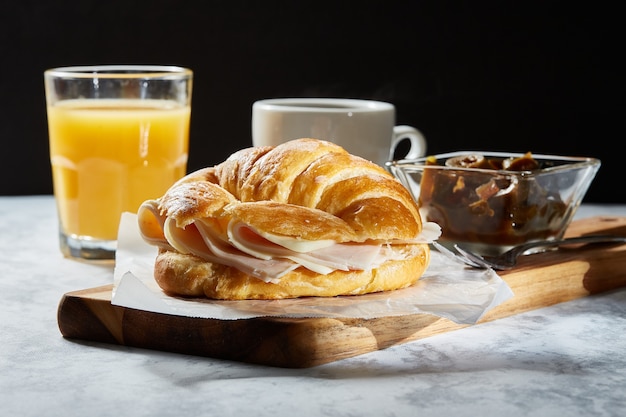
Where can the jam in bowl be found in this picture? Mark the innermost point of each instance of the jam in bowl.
(491, 201)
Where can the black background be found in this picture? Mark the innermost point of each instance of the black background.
(545, 77)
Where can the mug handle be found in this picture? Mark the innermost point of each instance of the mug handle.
(418, 141)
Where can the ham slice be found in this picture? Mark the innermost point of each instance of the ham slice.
(321, 258)
(268, 270)
(265, 256)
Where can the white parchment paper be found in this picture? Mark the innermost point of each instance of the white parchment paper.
(447, 289)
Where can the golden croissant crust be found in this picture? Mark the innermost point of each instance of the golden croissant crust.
(287, 208)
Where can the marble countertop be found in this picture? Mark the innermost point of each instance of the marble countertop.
(565, 360)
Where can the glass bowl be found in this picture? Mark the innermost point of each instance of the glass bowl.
(491, 201)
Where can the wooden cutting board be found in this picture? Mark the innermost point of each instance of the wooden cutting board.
(540, 280)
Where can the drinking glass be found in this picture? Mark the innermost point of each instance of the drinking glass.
(118, 135)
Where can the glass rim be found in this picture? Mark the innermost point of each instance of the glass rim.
(568, 163)
(119, 71)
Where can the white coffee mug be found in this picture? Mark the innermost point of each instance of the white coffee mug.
(362, 127)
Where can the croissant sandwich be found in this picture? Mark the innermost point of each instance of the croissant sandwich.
(304, 218)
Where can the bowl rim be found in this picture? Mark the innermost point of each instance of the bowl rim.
(571, 162)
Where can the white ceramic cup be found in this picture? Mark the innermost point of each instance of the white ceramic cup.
(362, 127)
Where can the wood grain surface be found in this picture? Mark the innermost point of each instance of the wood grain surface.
(539, 280)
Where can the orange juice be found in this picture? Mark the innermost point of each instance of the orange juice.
(110, 155)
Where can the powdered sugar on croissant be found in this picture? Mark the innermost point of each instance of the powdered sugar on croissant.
(269, 211)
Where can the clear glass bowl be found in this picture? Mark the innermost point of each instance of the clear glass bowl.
(491, 201)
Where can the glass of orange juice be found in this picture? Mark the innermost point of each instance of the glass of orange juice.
(118, 135)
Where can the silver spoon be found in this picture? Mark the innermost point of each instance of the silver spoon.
(508, 259)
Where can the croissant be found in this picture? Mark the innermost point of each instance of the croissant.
(304, 218)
